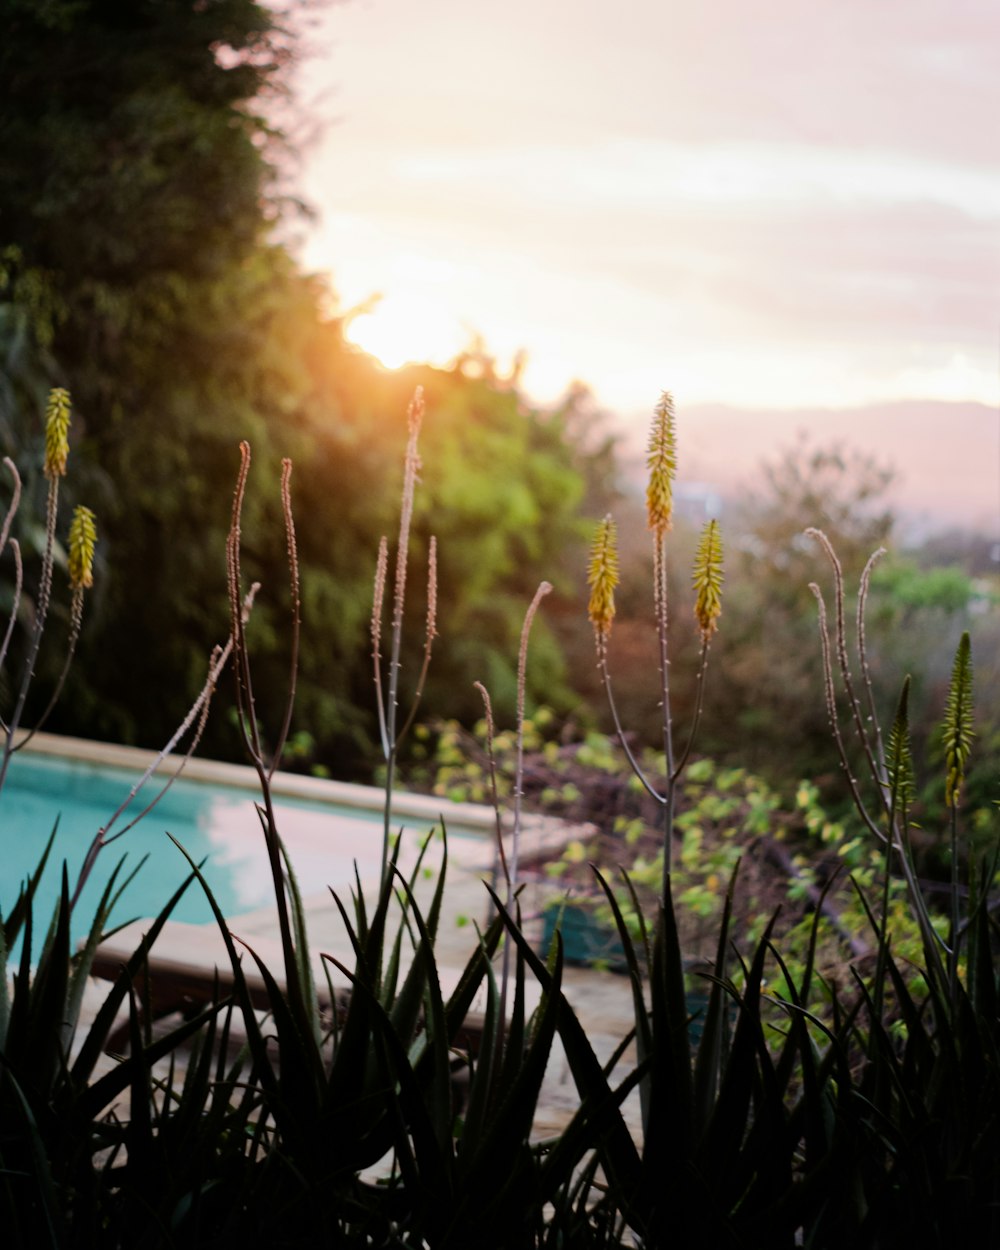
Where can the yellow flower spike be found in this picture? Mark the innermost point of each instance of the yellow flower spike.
(57, 413)
(661, 460)
(957, 728)
(602, 578)
(82, 541)
(707, 579)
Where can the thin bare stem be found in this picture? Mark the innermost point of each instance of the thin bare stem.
(866, 675)
(522, 667)
(15, 501)
(411, 468)
(76, 621)
(38, 627)
(247, 717)
(430, 633)
(197, 712)
(660, 605)
(296, 596)
(499, 855)
(602, 664)
(829, 690)
(250, 734)
(515, 841)
(931, 938)
(954, 931)
(878, 775)
(378, 599)
(414, 416)
(15, 546)
(44, 599)
(699, 707)
(189, 751)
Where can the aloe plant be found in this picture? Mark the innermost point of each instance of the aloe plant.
(928, 1141)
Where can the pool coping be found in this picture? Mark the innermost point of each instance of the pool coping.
(243, 777)
(543, 836)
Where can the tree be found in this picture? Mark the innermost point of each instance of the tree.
(138, 193)
(768, 692)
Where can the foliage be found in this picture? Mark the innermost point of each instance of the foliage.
(141, 176)
(874, 1125)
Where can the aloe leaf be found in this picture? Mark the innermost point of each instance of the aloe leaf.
(84, 958)
(644, 934)
(514, 1031)
(303, 963)
(797, 1061)
(40, 1050)
(351, 1056)
(196, 1090)
(643, 1024)
(357, 1095)
(481, 1078)
(417, 1143)
(432, 919)
(982, 973)
(52, 1220)
(241, 991)
(375, 936)
(4, 991)
(723, 1134)
(26, 896)
(619, 1154)
(106, 1089)
(458, 1005)
(104, 1020)
(435, 1039)
(301, 1078)
(583, 1133)
(497, 1168)
(404, 1007)
(17, 1028)
(801, 994)
(708, 1061)
(670, 1127)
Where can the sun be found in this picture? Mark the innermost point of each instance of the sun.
(402, 328)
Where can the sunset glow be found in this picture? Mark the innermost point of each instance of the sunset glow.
(402, 328)
(795, 212)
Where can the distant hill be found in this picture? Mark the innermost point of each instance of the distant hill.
(946, 455)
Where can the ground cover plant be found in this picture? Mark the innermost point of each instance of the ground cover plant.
(797, 1109)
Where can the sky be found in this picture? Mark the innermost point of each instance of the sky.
(786, 213)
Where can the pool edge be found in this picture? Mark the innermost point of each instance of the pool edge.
(243, 777)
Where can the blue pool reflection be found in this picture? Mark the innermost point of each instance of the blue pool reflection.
(215, 823)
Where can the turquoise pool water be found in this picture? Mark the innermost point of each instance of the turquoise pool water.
(218, 823)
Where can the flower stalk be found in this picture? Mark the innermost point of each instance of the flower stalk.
(388, 699)
(82, 541)
(707, 578)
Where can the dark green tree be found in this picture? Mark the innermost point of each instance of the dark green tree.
(140, 182)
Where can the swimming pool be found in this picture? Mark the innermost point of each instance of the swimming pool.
(327, 827)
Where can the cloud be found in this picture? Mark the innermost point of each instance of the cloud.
(915, 76)
(775, 201)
